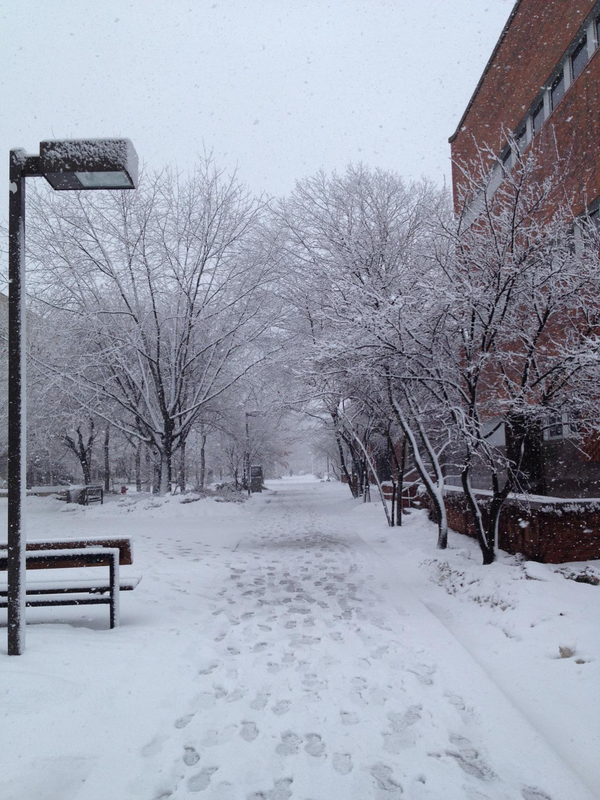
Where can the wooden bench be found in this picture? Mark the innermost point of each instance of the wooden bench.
(76, 553)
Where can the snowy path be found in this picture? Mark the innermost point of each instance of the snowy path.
(311, 673)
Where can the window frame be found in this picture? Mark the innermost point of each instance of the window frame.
(507, 158)
(539, 112)
(560, 78)
(521, 138)
(581, 47)
(555, 421)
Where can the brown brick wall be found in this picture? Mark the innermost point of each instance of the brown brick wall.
(574, 129)
(552, 534)
(534, 44)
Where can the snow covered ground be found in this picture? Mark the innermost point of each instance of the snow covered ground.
(295, 648)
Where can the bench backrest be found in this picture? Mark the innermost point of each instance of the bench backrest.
(123, 545)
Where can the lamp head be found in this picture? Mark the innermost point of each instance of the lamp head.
(79, 164)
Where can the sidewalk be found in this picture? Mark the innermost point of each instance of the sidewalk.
(269, 654)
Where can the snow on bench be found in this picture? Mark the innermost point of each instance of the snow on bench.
(75, 553)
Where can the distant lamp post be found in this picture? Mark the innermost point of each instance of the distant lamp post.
(67, 166)
(246, 476)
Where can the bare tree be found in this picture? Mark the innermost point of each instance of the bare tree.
(514, 334)
(159, 299)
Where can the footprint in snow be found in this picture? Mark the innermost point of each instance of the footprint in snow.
(183, 721)
(211, 667)
(281, 707)
(290, 744)
(349, 718)
(190, 756)
(423, 673)
(342, 763)
(401, 736)
(383, 777)
(314, 745)
(531, 793)
(201, 781)
(468, 759)
(280, 791)
(259, 647)
(260, 701)
(236, 695)
(249, 731)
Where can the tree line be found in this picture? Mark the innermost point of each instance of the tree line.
(421, 336)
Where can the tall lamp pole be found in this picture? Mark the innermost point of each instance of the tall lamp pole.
(247, 477)
(247, 457)
(67, 166)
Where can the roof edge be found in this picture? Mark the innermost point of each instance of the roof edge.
(486, 70)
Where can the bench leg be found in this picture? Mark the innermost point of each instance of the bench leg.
(114, 591)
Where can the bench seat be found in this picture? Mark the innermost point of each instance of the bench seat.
(74, 553)
(93, 586)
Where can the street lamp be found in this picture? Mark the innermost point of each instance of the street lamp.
(246, 480)
(67, 166)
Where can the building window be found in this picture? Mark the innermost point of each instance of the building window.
(558, 89)
(598, 31)
(521, 138)
(495, 179)
(507, 158)
(579, 57)
(557, 426)
(538, 116)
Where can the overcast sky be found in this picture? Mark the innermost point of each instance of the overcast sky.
(278, 88)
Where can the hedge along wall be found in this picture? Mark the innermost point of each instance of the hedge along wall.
(550, 531)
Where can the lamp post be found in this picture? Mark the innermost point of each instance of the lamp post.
(246, 480)
(67, 166)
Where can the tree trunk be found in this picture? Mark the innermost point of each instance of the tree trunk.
(182, 475)
(202, 480)
(340, 446)
(138, 467)
(164, 485)
(166, 459)
(487, 548)
(435, 489)
(83, 450)
(150, 469)
(107, 459)
(370, 466)
(401, 471)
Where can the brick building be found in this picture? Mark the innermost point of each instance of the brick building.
(543, 81)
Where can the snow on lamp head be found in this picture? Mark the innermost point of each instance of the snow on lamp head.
(89, 164)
